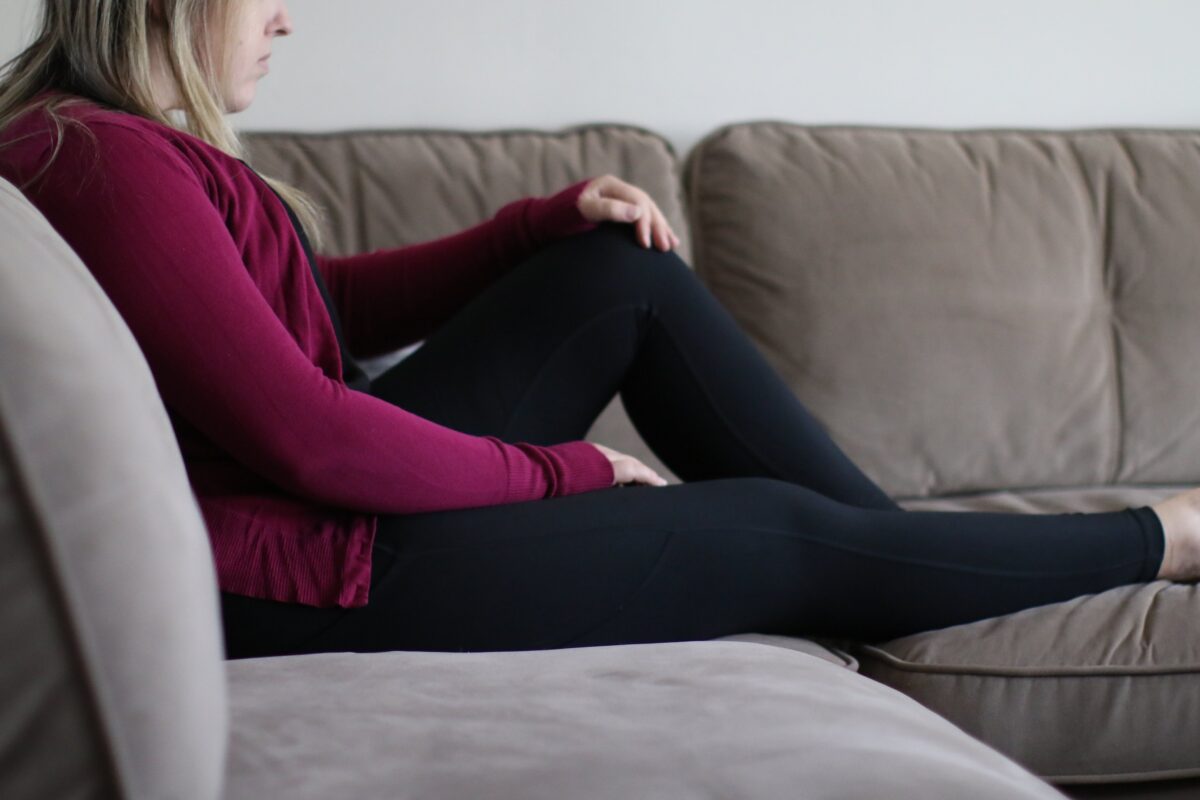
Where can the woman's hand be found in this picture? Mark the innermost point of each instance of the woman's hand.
(610, 199)
(627, 469)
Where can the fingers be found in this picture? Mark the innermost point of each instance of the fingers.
(645, 225)
(658, 230)
(640, 473)
(654, 230)
(674, 240)
(663, 235)
(628, 470)
(618, 210)
(656, 480)
(612, 186)
(616, 200)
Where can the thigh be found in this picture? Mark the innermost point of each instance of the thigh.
(537, 355)
(542, 574)
(709, 558)
(697, 561)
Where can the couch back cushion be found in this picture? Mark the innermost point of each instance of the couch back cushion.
(394, 187)
(113, 673)
(968, 310)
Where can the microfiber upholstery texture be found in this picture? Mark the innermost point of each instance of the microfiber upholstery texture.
(968, 311)
(112, 674)
(1100, 688)
(672, 720)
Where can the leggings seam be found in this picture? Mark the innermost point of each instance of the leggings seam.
(550, 357)
(625, 601)
(774, 473)
(791, 534)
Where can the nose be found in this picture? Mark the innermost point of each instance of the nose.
(282, 23)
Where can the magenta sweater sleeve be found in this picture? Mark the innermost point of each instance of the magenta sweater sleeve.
(225, 361)
(391, 298)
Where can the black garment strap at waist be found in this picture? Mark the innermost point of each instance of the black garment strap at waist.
(353, 375)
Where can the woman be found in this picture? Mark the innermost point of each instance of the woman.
(452, 504)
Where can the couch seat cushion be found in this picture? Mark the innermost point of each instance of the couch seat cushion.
(677, 719)
(1048, 500)
(819, 647)
(1101, 688)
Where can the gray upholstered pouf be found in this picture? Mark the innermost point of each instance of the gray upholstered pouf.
(679, 720)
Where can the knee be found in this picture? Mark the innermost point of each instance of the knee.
(614, 248)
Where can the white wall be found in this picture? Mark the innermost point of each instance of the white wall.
(683, 67)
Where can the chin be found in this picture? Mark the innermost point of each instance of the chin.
(238, 104)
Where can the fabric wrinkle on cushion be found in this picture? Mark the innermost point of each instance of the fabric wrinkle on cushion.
(1104, 687)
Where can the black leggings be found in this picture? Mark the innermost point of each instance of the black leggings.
(774, 529)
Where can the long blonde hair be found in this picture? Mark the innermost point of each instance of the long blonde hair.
(100, 50)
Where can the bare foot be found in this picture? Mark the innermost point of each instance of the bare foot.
(1180, 517)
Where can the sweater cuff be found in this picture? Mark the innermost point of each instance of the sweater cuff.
(558, 216)
(588, 469)
(570, 467)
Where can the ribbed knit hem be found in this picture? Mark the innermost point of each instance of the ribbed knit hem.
(587, 469)
(1155, 539)
(288, 553)
(356, 570)
(559, 216)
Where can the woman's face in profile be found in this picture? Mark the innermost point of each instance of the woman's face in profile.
(257, 23)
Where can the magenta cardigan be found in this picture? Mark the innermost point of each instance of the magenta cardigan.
(289, 466)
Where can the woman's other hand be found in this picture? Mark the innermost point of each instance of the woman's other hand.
(627, 469)
(610, 199)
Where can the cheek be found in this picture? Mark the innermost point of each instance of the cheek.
(248, 73)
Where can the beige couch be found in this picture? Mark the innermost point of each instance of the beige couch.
(984, 320)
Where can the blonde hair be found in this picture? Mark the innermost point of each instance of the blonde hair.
(100, 50)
